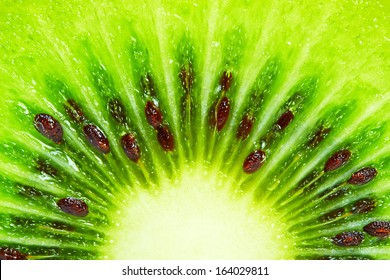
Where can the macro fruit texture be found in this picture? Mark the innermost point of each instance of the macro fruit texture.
(194, 130)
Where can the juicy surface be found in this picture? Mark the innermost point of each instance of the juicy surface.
(327, 63)
(197, 217)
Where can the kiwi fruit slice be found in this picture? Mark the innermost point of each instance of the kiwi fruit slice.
(194, 130)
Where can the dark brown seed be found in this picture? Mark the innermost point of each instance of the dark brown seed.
(349, 238)
(153, 114)
(332, 215)
(165, 138)
(363, 176)
(378, 229)
(318, 137)
(284, 120)
(117, 110)
(186, 76)
(49, 127)
(97, 138)
(226, 80)
(46, 168)
(222, 116)
(11, 254)
(147, 85)
(337, 160)
(245, 127)
(73, 206)
(363, 206)
(254, 161)
(130, 146)
(74, 111)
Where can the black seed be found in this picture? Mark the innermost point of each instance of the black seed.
(153, 114)
(332, 215)
(165, 138)
(186, 76)
(378, 229)
(130, 146)
(337, 160)
(349, 238)
(74, 111)
(49, 127)
(284, 120)
(46, 168)
(117, 110)
(96, 138)
(363, 206)
(73, 206)
(147, 85)
(363, 176)
(223, 108)
(11, 254)
(226, 80)
(254, 161)
(318, 137)
(245, 127)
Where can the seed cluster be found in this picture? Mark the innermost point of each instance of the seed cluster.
(245, 128)
(154, 115)
(380, 229)
(93, 134)
(218, 114)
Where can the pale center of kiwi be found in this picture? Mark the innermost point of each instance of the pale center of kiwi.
(197, 216)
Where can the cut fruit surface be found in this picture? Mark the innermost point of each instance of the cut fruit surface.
(194, 130)
(197, 216)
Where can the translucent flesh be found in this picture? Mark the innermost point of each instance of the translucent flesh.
(334, 54)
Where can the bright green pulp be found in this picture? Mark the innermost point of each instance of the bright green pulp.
(194, 202)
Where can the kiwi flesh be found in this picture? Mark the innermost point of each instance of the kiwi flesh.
(194, 130)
